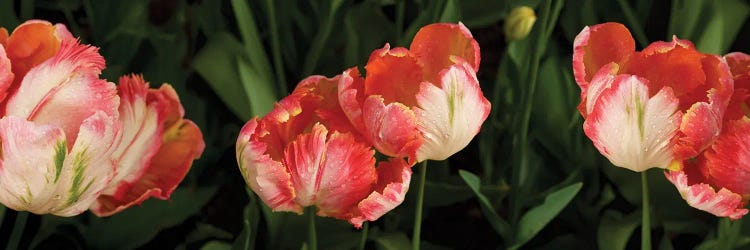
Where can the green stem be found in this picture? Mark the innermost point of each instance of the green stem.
(420, 200)
(646, 218)
(18, 227)
(635, 25)
(363, 241)
(400, 6)
(312, 237)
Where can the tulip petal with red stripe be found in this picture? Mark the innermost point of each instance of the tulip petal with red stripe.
(389, 191)
(702, 196)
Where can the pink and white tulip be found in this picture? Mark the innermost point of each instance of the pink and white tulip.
(423, 102)
(649, 108)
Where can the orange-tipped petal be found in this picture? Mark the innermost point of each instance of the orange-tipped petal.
(66, 84)
(268, 178)
(394, 74)
(631, 129)
(33, 42)
(346, 175)
(3, 37)
(393, 128)
(702, 196)
(452, 114)
(157, 148)
(434, 45)
(597, 46)
(389, 191)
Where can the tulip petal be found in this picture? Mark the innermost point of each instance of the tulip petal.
(739, 65)
(393, 183)
(303, 158)
(33, 42)
(434, 45)
(702, 196)
(727, 161)
(394, 74)
(346, 176)
(351, 96)
(393, 129)
(31, 165)
(6, 74)
(66, 84)
(702, 122)
(597, 46)
(452, 114)
(266, 177)
(632, 130)
(601, 81)
(89, 166)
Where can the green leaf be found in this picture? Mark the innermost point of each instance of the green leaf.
(137, 225)
(727, 17)
(615, 230)
(251, 38)
(8, 18)
(497, 223)
(216, 245)
(481, 13)
(217, 63)
(393, 241)
(259, 90)
(535, 219)
(451, 12)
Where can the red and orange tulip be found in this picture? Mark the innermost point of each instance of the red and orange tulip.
(305, 153)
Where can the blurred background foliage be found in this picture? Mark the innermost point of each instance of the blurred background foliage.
(530, 180)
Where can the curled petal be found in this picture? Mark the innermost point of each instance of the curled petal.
(33, 42)
(345, 177)
(66, 84)
(597, 46)
(601, 81)
(302, 159)
(702, 196)
(393, 129)
(265, 176)
(32, 162)
(739, 65)
(393, 182)
(450, 115)
(702, 122)
(351, 96)
(394, 74)
(632, 130)
(434, 45)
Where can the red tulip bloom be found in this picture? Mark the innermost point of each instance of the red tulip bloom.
(647, 108)
(725, 166)
(423, 102)
(305, 153)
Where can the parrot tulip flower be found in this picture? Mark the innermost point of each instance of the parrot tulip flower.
(59, 121)
(157, 147)
(305, 153)
(423, 102)
(70, 143)
(648, 108)
(725, 166)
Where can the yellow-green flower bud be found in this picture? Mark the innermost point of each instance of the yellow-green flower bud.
(518, 23)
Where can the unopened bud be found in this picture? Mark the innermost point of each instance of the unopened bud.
(518, 23)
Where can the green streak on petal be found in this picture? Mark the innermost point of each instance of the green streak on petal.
(60, 152)
(639, 113)
(451, 103)
(79, 166)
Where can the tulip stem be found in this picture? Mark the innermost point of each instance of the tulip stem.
(646, 218)
(312, 237)
(18, 227)
(365, 228)
(418, 214)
